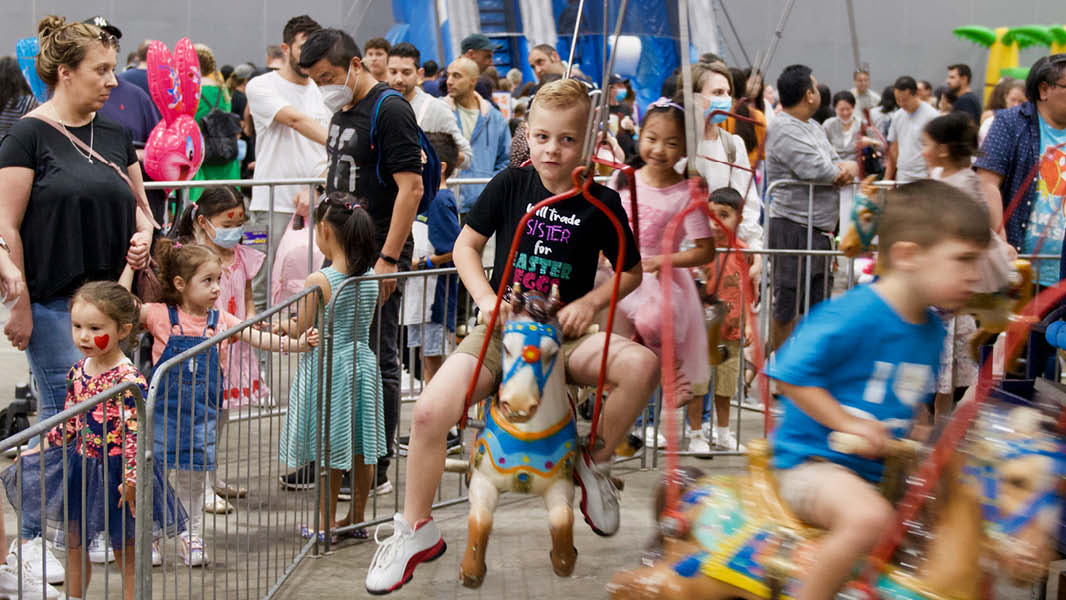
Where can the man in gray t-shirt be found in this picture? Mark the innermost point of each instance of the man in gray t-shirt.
(797, 148)
(905, 162)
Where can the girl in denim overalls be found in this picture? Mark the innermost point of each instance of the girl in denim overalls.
(186, 412)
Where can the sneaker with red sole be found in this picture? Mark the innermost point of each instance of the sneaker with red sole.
(397, 556)
(599, 497)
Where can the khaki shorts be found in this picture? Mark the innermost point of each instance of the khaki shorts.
(471, 345)
(800, 486)
(725, 375)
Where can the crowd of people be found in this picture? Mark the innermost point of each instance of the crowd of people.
(78, 229)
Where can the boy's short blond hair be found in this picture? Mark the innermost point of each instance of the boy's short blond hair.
(927, 212)
(561, 94)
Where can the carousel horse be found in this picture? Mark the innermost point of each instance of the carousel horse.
(998, 504)
(993, 309)
(529, 442)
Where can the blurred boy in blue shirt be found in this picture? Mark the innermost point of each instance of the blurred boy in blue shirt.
(862, 363)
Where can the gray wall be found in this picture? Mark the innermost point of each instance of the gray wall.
(237, 30)
(896, 37)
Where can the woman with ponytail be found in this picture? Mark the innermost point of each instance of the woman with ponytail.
(70, 188)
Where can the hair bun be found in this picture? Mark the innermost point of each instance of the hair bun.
(50, 25)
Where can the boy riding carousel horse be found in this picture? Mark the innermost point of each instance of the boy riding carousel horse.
(862, 364)
(560, 246)
(855, 370)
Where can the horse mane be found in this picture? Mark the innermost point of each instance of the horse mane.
(535, 306)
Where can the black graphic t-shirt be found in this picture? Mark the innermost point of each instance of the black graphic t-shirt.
(560, 244)
(352, 163)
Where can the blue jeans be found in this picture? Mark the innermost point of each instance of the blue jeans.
(51, 353)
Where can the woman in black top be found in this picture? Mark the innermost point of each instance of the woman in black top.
(67, 216)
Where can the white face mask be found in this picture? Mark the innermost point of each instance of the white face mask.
(336, 96)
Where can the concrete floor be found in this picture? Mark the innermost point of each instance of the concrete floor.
(518, 564)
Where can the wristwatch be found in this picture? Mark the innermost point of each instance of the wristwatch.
(3, 245)
(389, 259)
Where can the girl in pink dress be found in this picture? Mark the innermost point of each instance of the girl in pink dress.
(217, 221)
(662, 193)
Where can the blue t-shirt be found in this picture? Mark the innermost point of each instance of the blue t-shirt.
(133, 109)
(442, 221)
(1047, 209)
(874, 363)
(138, 77)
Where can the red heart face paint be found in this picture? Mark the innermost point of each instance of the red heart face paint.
(102, 341)
(230, 214)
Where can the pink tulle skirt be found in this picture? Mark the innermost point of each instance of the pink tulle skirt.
(645, 308)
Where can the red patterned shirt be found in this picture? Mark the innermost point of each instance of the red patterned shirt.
(115, 418)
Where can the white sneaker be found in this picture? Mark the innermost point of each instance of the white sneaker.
(191, 550)
(599, 498)
(698, 442)
(395, 559)
(99, 551)
(32, 588)
(157, 556)
(653, 440)
(34, 555)
(382, 489)
(724, 440)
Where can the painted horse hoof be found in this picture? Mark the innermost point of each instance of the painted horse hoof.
(470, 580)
(563, 566)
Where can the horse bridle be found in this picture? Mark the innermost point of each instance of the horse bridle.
(989, 483)
(532, 334)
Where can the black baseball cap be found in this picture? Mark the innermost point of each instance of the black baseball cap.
(478, 41)
(104, 24)
(616, 79)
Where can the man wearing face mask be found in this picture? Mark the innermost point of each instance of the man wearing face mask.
(797, 148)
(290, 134)
(384, 173)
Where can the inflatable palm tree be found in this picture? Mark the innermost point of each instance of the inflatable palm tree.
(1003, 44)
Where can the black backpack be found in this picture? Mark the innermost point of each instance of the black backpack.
(220, 129)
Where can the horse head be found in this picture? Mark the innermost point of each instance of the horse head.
(1016, 469)
(531, 344)
(865, 216)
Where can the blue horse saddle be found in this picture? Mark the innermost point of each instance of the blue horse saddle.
(546, 454)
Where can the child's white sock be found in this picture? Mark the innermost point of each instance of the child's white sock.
(722, 431)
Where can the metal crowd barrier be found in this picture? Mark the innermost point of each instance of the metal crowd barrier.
(253, 547)
(64, 533)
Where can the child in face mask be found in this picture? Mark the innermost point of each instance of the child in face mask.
(216, 220)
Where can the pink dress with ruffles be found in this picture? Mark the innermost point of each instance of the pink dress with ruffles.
(644, 306)
(241, 379)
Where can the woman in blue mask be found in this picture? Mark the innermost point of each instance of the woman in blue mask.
(722, 157)
(624, 117)
(217, 220)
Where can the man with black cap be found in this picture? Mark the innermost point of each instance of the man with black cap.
(132, 107)
(479, 48)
